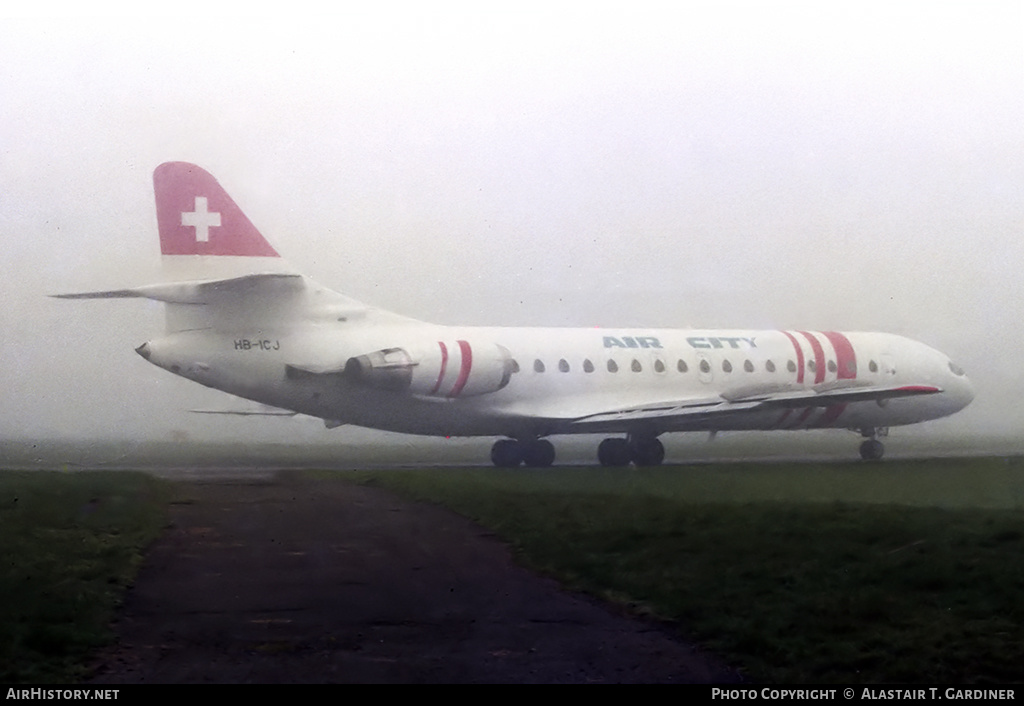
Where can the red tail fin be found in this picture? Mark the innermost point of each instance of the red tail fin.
(197, 217)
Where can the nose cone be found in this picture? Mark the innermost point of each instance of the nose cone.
(143, 350)
(964, 391)
(959, 390)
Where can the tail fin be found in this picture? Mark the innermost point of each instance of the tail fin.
(219, 270)
(203, 232)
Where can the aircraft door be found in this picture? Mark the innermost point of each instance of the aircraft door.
(888, 365)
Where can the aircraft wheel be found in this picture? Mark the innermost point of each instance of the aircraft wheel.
(613, 452)
(539, 453)
(506, 453)
(872, 450)
(647, 452)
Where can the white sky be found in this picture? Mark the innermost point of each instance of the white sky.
(810, 165)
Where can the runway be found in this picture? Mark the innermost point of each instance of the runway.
(288, 579)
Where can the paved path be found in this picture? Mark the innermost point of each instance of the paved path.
(289, 580)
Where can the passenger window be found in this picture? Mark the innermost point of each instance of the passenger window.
(681, 366)
(832, 366)
(791, 366)
(726, 366)
(810, 365)
(563, 365)
(515, 365)
(769, 366)
(613, 367)
(659, 367)
(705, 367)
(748, 366)
(873, 366)
(636, 366)
(538, 366)
(588, 367)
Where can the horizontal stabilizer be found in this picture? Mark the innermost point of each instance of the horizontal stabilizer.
(257, 300)
(203, 292)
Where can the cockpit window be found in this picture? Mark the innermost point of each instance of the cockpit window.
(956, 369)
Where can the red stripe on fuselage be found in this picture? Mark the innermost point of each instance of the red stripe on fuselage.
(846, 357)
(802, 418)
(782, 419)
(831, 415)
(799, 356)
(444, 365)
(819, 356)
(467, 363)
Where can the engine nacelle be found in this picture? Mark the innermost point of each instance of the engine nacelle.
(442, 370)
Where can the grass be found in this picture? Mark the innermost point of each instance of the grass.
(797, 573)
(906, 571)
(70, 543)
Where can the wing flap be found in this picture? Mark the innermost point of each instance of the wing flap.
(269, 412)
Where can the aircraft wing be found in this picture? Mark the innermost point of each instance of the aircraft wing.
(749, 401)
(260, 411)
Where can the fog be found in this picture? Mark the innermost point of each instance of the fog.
(846, 166)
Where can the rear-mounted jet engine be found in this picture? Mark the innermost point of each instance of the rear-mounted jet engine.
(442, 370)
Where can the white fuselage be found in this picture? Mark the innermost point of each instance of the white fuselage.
(242, 320)
(561, 377)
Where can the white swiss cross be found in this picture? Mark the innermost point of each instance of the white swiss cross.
(201, 220)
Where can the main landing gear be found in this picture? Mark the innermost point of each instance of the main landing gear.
(509, 453)
(540, 453)
(641, 450)
(872, 449)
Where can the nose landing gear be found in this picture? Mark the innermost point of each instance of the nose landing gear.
(872, 449)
